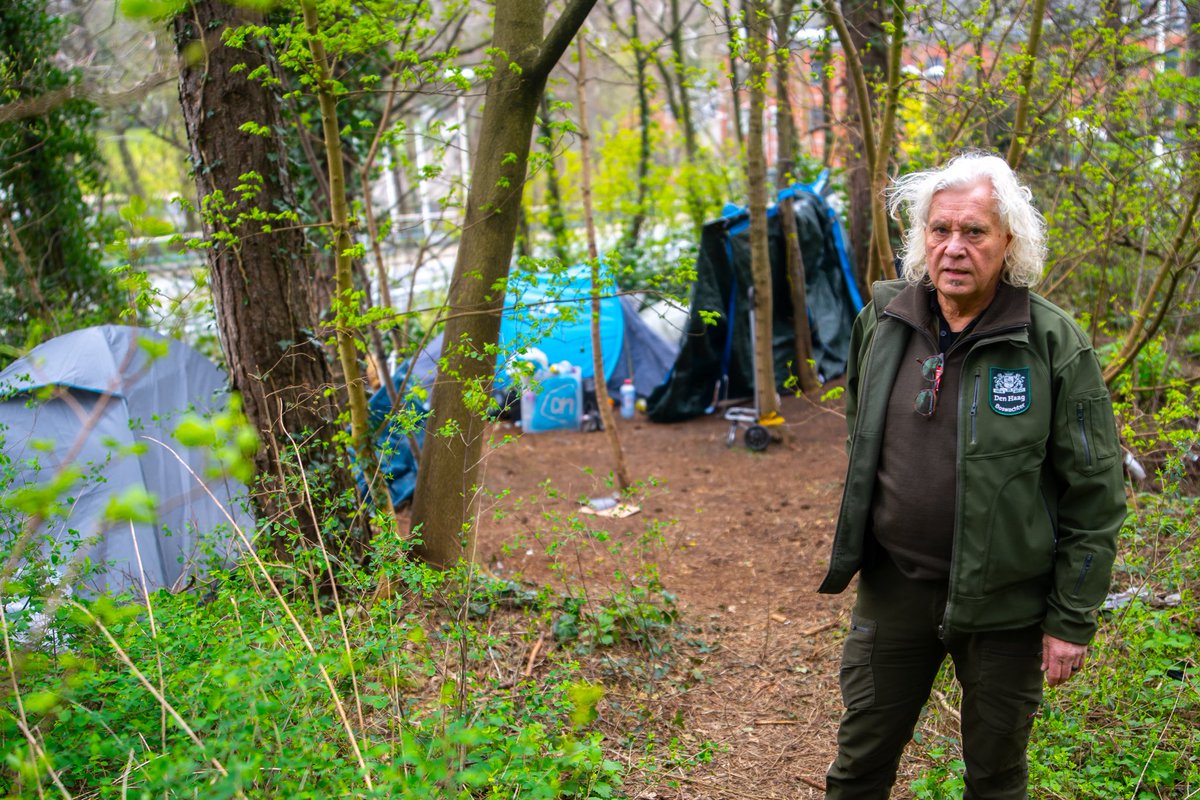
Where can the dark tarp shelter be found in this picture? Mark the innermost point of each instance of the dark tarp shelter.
(716, 361)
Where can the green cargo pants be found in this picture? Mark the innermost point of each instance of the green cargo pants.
(892, 656)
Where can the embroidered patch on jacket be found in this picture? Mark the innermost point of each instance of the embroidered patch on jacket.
(1010, 391)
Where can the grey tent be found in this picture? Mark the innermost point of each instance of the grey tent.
(85, 399)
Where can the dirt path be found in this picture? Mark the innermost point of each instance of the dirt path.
(742, 539)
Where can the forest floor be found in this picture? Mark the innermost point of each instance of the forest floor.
(742, 540)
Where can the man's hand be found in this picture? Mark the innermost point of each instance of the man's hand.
(1061, 660)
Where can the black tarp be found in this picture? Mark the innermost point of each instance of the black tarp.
(715, 362)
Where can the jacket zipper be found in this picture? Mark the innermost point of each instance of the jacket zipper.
(1087, 450)
(974, 407)
(951, 589)
(958, 492)
(1083, 571)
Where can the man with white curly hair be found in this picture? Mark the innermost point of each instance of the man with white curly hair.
(983, 494)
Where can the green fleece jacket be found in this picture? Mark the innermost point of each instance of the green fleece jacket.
(1040, 495)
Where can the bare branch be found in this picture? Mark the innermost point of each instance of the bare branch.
(43, 104)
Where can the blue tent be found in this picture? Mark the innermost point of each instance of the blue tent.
(107, 400)
(553, 313)
(549, 312)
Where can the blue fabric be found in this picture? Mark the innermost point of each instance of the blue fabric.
(396, 459)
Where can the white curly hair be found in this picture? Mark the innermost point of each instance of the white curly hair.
(913, 195)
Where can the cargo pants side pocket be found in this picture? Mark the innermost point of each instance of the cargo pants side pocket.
(857, 676)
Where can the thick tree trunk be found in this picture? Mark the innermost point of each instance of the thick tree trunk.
(447, 482)
(259, 278)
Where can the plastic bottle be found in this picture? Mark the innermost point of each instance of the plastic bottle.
(628, 398)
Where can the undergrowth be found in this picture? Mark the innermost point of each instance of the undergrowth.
(450, 684)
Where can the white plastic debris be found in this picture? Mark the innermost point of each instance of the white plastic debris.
(1134, 467)
(1122, 599)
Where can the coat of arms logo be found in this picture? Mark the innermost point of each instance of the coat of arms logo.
(1009, 394)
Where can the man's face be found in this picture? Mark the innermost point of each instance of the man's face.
(965, 244)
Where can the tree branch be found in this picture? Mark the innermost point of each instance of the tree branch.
(560, 36)
(43, 104)
(1016, 147)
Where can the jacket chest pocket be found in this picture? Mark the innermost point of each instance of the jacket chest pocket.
(1008, 409)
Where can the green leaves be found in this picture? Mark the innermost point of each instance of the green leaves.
(151, 9)
(585, 696)
(134, 504)
(195, 432)
(254, 129)
(228, 437)
(44, 499)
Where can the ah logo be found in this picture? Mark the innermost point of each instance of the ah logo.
(1010, 394)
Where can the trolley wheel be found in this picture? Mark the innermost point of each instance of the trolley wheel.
(731, 436)
(757, 438)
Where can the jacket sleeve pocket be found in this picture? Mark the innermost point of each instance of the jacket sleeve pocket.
(1093, 432)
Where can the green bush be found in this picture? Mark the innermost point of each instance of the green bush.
(270, 716)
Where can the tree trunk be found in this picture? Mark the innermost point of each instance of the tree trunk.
(607, 420)
(885, 266)
(641, 60)
(786, 134)
(345, 307)
(876, 146)
(685, 101)
(1017, 146)
(756, 180)
(557, 221)
(259, 273)
(129, 164)
(447, 482)
(829, 140)
(864, 33)
(785, 115)
(735, 89)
